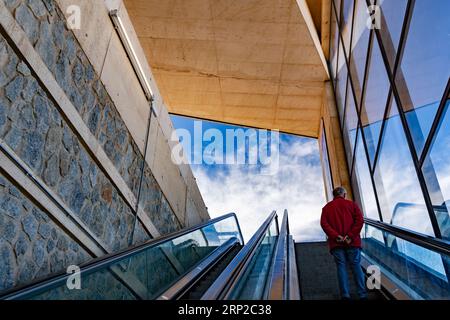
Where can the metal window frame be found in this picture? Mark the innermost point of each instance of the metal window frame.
(404, 122)
(393, 94)
(358, 107)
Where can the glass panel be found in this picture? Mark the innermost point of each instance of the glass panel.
(147, 272)
(399, 193)
(337, 5)
(363, 182)
(417, 270)
(360, 44)
(346, 23)
(419, 122)
(253, 282)
(334, 43)
(425, 66)
(392, 15)
(436, 169)
(341, 82)
(351, 124)
(375, 99)
(326, 166)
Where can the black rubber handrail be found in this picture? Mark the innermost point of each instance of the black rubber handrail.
(421, 240)
(228, 279)
(108, 260)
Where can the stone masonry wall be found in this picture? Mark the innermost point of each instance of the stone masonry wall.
(45, 26)
(31, 124)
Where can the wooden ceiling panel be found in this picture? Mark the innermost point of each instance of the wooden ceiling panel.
(247, 62)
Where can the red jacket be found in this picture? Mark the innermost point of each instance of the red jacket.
(342, 217)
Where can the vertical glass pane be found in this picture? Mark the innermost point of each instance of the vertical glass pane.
(360, 44)
(436, 169)
(346, 23)
(341, 82)
(392, 15)
(364, 182)
(425, 66)
(337, 6)
(252, 284)
(375, 99)
(326, 166)
(334, 43)
(399, 193)
(415, 269)
(351, 124)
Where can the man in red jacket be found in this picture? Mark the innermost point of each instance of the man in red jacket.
(342, 221)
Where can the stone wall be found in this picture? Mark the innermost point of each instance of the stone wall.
(45, 26)
(31, 244)
(34, 127)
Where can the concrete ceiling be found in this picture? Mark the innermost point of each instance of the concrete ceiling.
(245, 62)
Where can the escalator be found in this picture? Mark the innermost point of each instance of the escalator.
(211, 262)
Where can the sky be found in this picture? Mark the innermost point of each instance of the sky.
(295, 183)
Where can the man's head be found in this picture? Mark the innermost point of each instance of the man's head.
(339, 192)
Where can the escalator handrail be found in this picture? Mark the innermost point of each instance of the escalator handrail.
(228, 279)
(276, 288)
(197, 272)
(109, 259)
(428, 242)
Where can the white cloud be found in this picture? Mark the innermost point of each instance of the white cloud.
(297, 187)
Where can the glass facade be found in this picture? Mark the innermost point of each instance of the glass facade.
(393, 88)
(425, 66)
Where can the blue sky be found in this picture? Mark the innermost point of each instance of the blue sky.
(297, 184)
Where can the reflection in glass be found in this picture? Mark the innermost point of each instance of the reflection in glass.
(399, 192)
(436, 169)
(425, 67)
(417, 270)
(148, 271)
(350, 125)
(364, 182)
(341, 82)
(360, 43)
(392, 13)
(375, 98)
(252, 284)
(346, 23)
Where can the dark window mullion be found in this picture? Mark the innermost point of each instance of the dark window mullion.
(338, 35)
(352, 167)
(349, 78)
(366, 76)
(372, 179)
(403, 36)
(435, 125)
(383, 125)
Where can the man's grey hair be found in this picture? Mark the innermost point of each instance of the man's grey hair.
(339, 191)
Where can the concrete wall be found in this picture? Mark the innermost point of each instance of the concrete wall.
(73, 120)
